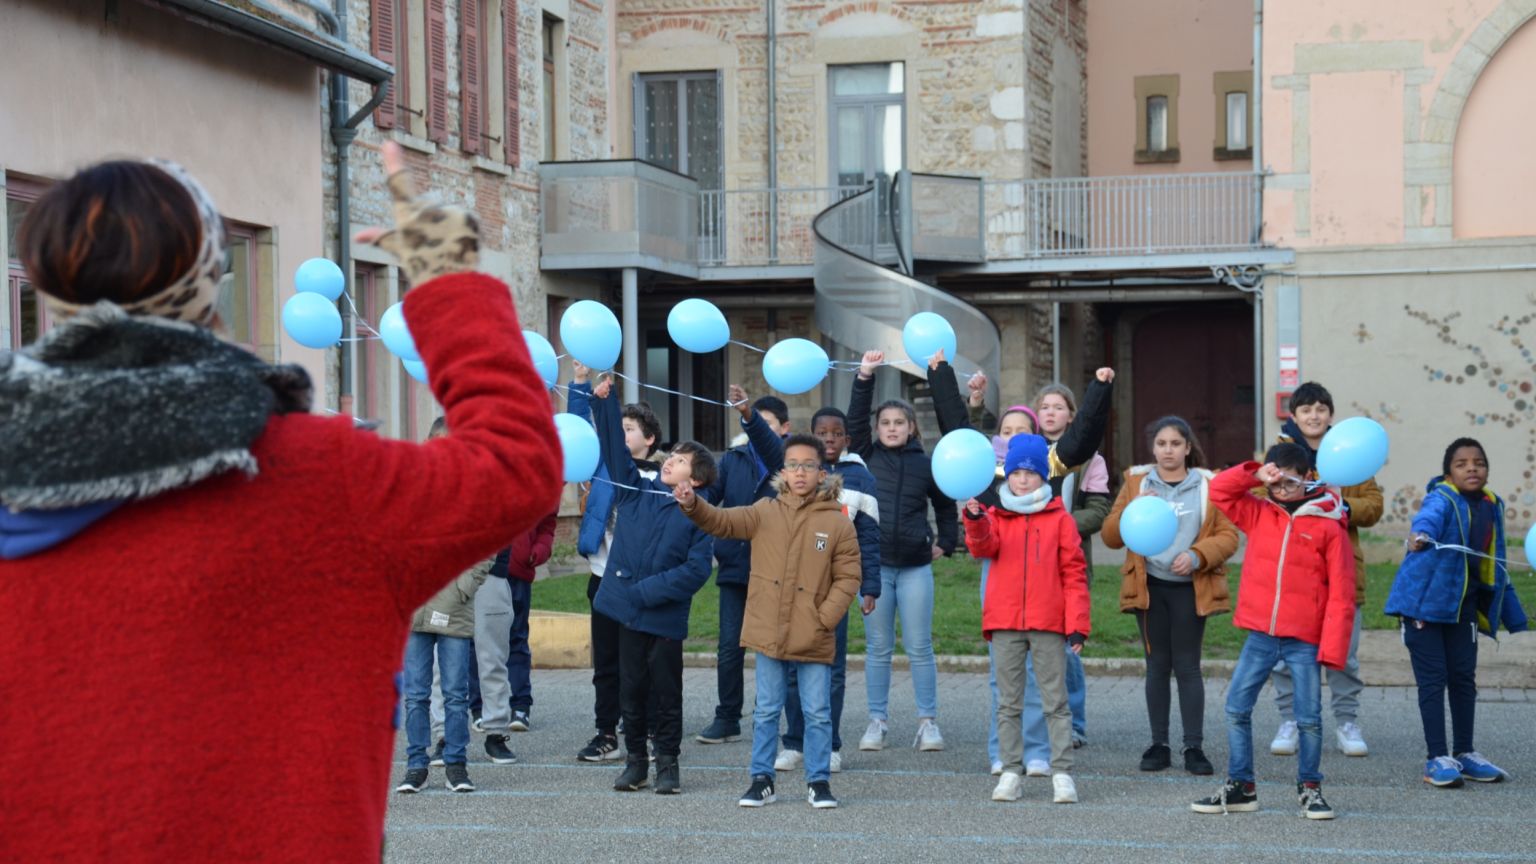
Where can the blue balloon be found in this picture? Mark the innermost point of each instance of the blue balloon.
(543, 355)
(795, 365)
(698, 326)
(396, 335)
(1148, 526)
(964, 464)
(320, 276)
(926, 334)
(312, 320)
(591, 334)
(1352, 452)
(1530, 546)
(578, 442)
(416, 368)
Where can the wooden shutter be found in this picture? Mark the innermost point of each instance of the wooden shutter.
(470, 73)
(437, 70)
(512, 135)
(383, 45)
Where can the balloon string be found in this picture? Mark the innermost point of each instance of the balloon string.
(617, 374)
(1470, 551)
(631, 488)
(357, 316)
(749, 347)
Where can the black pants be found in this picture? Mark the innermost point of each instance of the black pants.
(605, 664)
(1444, 658)
(651, 691)
(730, 656)
(1171, 638)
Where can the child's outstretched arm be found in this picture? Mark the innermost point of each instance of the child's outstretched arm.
(578, 396)
(731, 523)
(947, 403)
(861, 403)
(766, 443)
(680, 582)
(1230, 493)
(1085, 433)
(980, 532)
(610, 440)
(1432, 521)
(1339, 608)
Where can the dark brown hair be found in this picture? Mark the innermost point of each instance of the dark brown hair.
(1195, 458)
(118, 231)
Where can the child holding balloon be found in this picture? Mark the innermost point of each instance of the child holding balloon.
(908, 547)
(1451, 585)
(1172, 590)
(1036, 606)
(1297, 600)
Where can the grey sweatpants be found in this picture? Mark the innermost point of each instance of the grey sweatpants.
(1009, 650)
(493, 644)
(1344, 685)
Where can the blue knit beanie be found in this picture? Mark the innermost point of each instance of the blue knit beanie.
(1030, 452)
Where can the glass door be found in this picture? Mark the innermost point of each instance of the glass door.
(678, 126)
(868, 105)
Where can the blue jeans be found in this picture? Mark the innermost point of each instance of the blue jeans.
(453, 654)
(1037, 744)
(815, 695)
(729, 654)
(1077, 693)
(519, 658)
(1260, 653)
(794, 736)
(910, 591)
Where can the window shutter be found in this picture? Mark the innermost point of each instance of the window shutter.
(437, 70)
(383, 45)
(511, 137)
(470, 73)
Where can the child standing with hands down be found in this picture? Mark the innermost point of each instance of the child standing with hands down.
(908, 548)
(1036, 605)
(805, 571)
(1444, 596)
(657, 562)
(1297, 600)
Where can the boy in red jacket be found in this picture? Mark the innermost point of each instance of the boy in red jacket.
(1036, 603)
(1297, 600)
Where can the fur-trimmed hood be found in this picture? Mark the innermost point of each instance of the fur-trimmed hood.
(828, 490)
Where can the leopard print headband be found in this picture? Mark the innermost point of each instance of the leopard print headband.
(194, 297)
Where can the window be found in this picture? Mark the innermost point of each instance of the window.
(242, 286)
(677, 124)
(479, 77)
(867, 123)
(551, 43)
(1157, 118)
(412, 35)
(25, 317)
(1234, 119)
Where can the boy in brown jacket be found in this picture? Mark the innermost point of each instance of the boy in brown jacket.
(805, 573)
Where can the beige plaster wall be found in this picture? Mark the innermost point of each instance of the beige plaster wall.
(1131, 38)
(76, 89)
(1494, 180)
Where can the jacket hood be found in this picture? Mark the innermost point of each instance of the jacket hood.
(850, 456)
(1326, 506)
(1290, 433)
(1144, 470)
(1438, 481)
(31, 531)
(829, 490)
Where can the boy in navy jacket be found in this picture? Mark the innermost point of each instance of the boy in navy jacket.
(657, 562)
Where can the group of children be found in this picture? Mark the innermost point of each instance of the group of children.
(802, 526)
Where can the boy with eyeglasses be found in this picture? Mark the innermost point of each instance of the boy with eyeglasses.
(805, 572)
(1297, 600)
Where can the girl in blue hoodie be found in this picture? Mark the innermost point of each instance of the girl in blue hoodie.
(1445, 595)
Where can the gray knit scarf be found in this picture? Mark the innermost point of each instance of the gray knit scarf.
(108, 407)
(1033, 502)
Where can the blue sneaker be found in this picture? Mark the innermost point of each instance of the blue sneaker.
(1442, 771)
(1475, 767)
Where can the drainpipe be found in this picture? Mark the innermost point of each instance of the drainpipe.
(773, 136)
(1258, 223)
(630, 301)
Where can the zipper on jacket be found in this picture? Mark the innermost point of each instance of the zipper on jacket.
(1285, 545)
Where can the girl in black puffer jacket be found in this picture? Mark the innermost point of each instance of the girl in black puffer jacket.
(908, 548)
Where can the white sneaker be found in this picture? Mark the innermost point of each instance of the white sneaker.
(928, 737)
(1287, 739)
(1066, 790)
(997, 769)
(1009, 787)
(788, 760)
(1037, 768)
(874, 736)
(1351, 743)
(836, 765)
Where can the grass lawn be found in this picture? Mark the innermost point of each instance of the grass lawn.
(957, 611)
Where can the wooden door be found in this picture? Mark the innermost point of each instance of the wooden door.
(1196, 360)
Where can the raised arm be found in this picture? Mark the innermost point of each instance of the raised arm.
(947, 401)
(731, 523)
(765, 442)
(1085, 433)
(981, 535)
(1230, 493)
(861, 403)
(606, 416)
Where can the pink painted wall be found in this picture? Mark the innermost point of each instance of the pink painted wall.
(1495, 179)
(1357, 158)
(1190, 38)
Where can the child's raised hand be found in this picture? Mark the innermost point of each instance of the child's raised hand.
(739, 400)
(1105, 374)
(870, 362)
(977, 384)
(1268, 473)
(683, 494)
(1417, 542)
(579, 371)
(973, 507)
(604, 385)
(936, 359)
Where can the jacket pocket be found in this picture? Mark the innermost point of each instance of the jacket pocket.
(807, 637)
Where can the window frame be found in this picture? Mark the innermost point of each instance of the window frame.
(868, 102)
(28, 189)
(552, 37)
(1144, 88)
(1224, 84)
(253, 237)
(640, 116)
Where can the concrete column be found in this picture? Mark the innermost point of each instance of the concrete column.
(631, 323)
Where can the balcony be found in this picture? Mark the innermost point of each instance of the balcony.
(630, 214)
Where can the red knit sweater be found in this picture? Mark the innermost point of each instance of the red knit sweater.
(208, 675)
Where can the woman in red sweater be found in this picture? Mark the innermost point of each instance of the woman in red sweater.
(186, 550)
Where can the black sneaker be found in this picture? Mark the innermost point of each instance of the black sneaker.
(1312, 804)
(458, 778)
(668, 778)
(1196, 763)
(497, 751)
(602, 748)
(437, 753)
(1156, 758)
(760, 793)
(719, 732)
(1234, 797)
(820, 795)
(519, 721)
(415, 781)
(636, 776)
